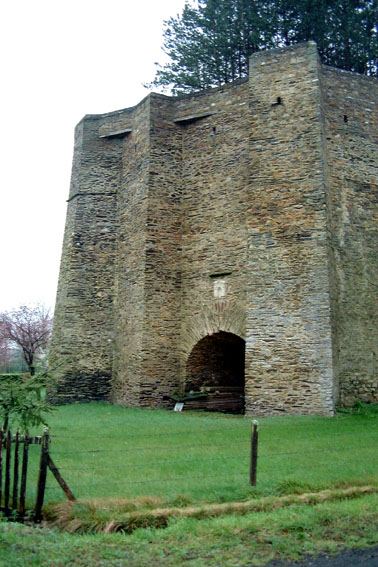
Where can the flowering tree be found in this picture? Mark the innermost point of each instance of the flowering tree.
(27, 328)
(4, 353)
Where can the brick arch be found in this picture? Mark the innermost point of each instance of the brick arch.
(222, 316)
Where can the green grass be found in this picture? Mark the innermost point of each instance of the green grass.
(158, 458)
(106, 451)
(228, 541)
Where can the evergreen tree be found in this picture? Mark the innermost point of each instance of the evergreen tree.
(346, 31)
(211, 42)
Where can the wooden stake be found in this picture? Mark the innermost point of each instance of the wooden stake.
(15, 470)
(24, 476)
(7, 473)
(53, 468)
(42, 477)
(254, 443)
(2, 439)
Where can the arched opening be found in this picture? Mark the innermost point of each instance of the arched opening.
(215, 374)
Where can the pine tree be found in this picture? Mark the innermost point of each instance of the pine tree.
(210, 43)
(346, 31)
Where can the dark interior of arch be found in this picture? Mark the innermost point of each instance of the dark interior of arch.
(216, 367)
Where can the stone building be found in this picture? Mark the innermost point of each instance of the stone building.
(226, 240)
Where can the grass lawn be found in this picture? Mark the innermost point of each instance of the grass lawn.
(152, 459)
(229, 541)
(106, 451)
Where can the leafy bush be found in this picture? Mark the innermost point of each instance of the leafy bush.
(22, 400)
(360, 408)
(10, 376)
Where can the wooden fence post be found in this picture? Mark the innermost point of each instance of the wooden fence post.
(14, 501)
(62, 483)
(42, 476)
(24, 475)
(7, 473)
(254, 443)
(2, 438)
(15, 470)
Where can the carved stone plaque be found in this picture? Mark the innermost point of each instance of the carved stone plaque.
(219, 289)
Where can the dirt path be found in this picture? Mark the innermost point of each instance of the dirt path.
(348, 558)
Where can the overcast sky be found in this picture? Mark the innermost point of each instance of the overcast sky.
(59, 61)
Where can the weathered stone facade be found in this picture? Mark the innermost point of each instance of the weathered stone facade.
(247, 212)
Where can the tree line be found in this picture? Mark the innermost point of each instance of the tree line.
(210, 43)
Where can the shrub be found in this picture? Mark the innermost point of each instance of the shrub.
(22, 400)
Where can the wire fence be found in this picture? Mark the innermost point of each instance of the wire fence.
(217, 462)
(141, 463)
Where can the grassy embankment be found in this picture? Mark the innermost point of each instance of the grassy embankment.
(228, 541)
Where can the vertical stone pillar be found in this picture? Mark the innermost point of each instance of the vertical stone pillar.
(132, 217)
(288, 344)
(163, 257)
(351, 125)
(82, 348)
(148, 269)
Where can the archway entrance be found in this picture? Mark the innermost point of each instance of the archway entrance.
(215, 373)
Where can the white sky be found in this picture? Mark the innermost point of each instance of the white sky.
(59, 61)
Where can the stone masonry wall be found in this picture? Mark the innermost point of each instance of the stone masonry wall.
(288, 343)
(82, 352)
(163, 257)
(60, 359)
(249, 209)
(351, 124)
(148, 271)
(131, 259)
(214, 204)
